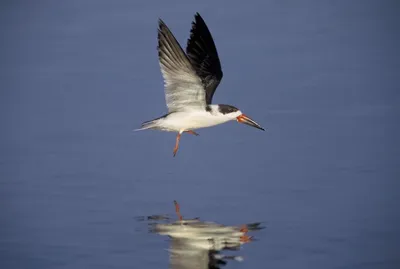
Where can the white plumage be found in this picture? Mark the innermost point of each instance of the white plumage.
(190, 81)
(193, 119)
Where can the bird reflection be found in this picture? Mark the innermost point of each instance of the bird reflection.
(198, 244)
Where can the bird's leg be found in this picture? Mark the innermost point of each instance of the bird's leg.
(177, 210)
(192, 132)
(178, 137)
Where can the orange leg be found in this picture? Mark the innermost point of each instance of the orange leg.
(178, 137)
(192, 132)
(178, 210)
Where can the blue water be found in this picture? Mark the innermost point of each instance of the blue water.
(321, 76)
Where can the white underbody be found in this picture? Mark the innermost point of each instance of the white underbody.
(193, 119)
(190, 120)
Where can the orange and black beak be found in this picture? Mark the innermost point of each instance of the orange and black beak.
(246, 120)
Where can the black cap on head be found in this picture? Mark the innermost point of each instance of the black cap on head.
(226, 109)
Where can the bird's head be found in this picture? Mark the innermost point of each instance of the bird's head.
(235, 114)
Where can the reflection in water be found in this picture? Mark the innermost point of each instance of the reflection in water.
(198, 244)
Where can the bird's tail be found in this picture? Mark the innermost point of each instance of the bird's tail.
(152, 124)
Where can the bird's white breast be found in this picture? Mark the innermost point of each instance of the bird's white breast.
(191, 120)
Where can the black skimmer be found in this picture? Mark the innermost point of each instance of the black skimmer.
(190, 82)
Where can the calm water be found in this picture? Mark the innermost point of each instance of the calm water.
(78, 76)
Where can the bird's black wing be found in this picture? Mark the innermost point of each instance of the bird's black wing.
(203, 55)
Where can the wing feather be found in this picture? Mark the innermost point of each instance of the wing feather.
(183, 87)
(203, 56)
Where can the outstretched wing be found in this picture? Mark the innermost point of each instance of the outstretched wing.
(183, 87)
(203, 55)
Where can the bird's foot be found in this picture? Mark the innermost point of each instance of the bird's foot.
(192, 132)
(175, 151)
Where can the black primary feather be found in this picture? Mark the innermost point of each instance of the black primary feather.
(203, 56)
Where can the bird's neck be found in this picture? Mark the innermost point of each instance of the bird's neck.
(212, 109)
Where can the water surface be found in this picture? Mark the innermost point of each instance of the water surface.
(78, 76)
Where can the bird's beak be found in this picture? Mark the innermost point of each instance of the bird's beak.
(246, 120)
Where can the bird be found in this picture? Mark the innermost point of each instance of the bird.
(190, 81)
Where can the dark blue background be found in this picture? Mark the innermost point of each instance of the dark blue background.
(78, 76)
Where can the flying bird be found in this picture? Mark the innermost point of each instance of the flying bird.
(190, 81)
